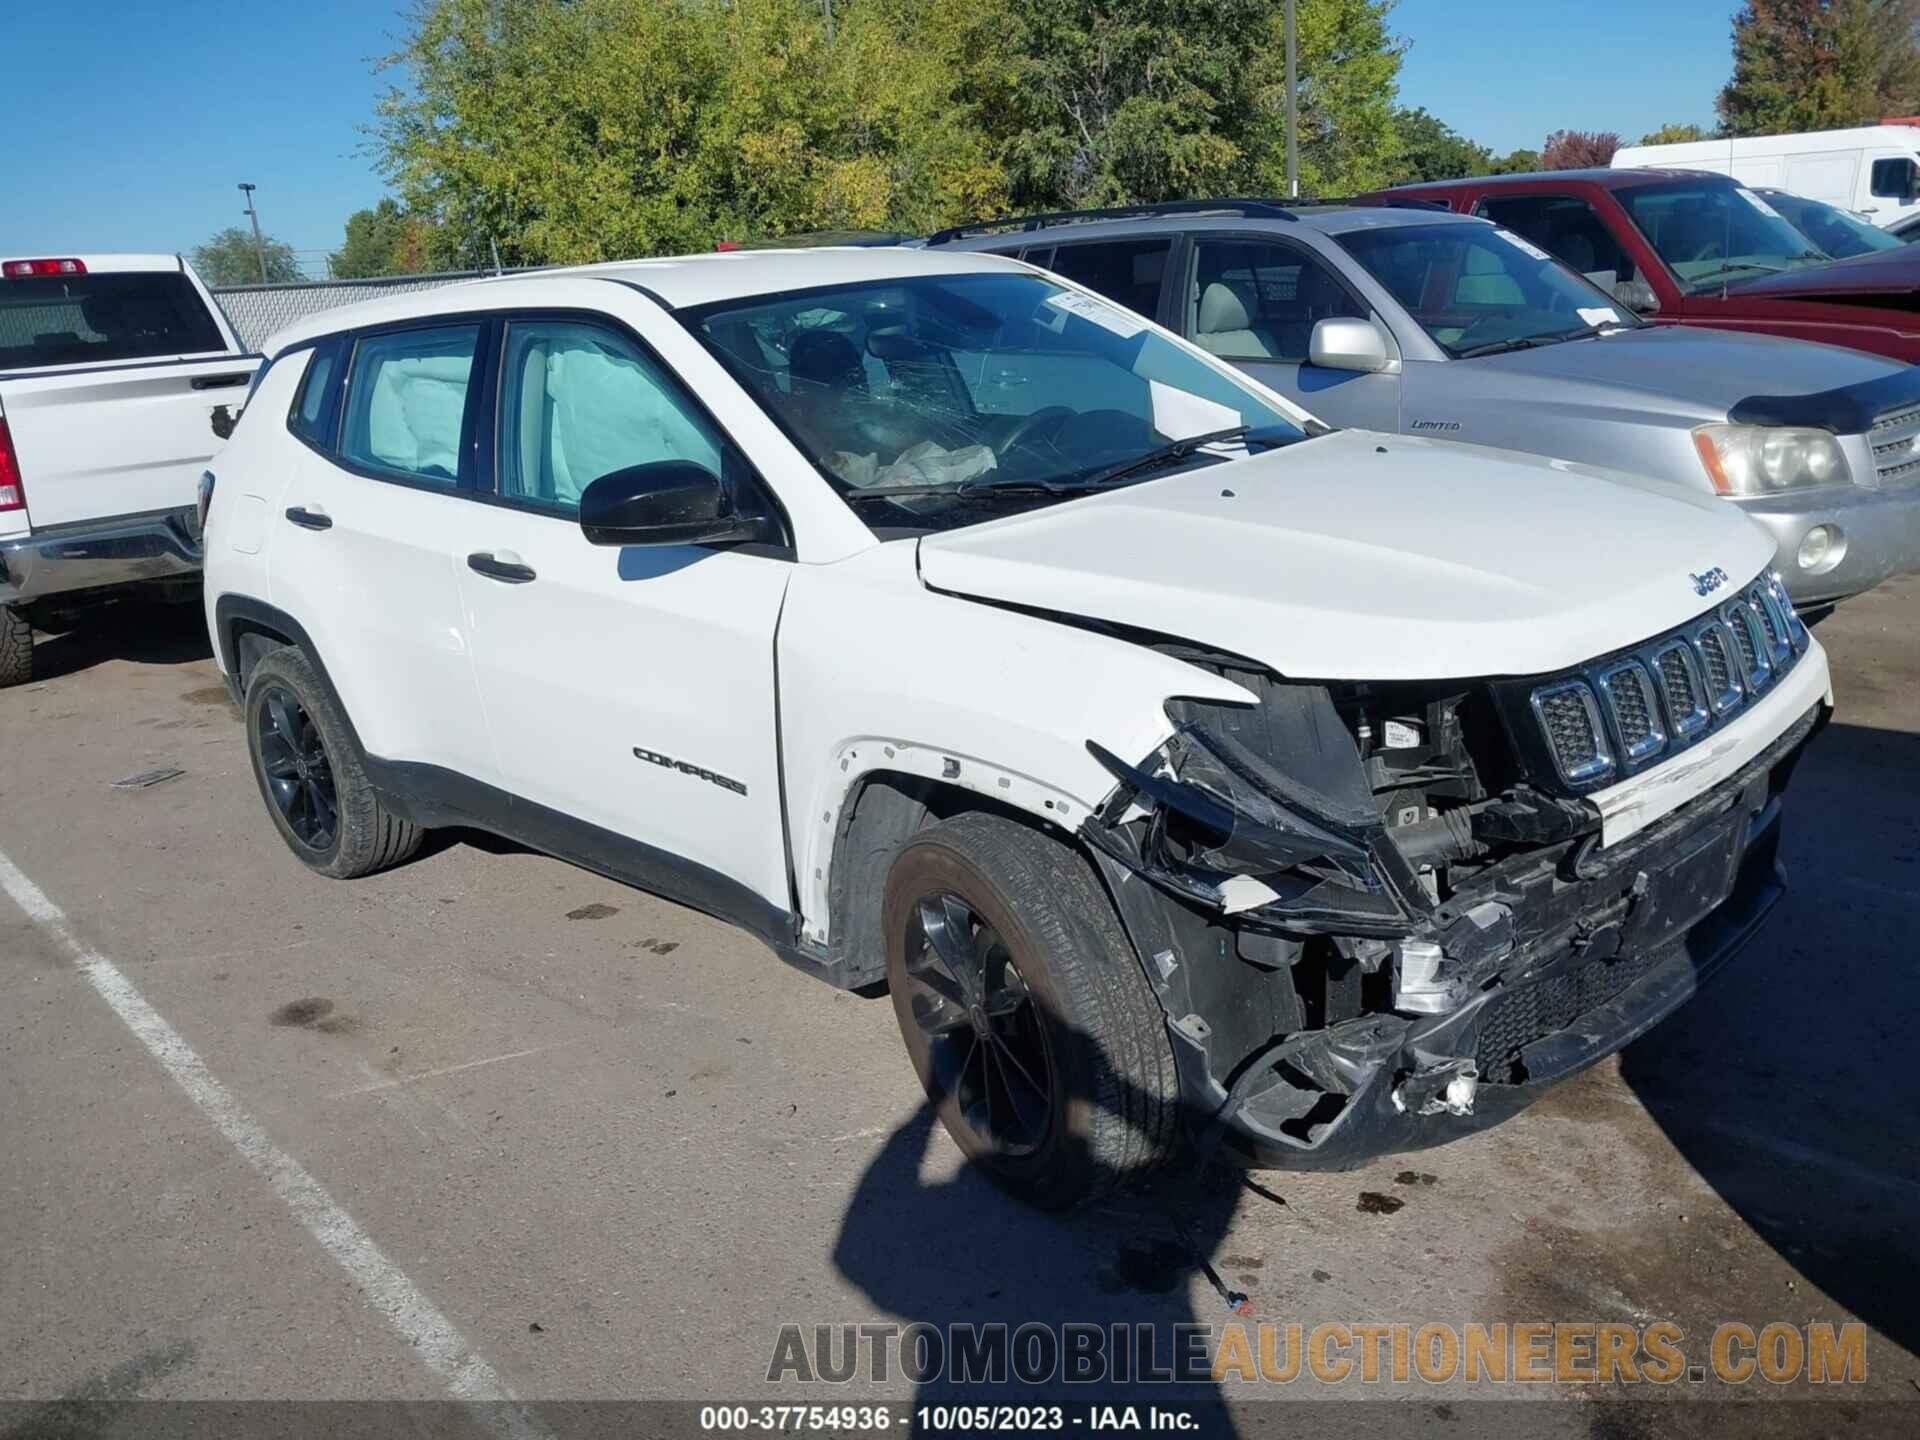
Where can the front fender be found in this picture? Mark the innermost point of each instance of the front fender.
(879, 674)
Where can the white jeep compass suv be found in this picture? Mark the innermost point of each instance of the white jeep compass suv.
(1178, 764)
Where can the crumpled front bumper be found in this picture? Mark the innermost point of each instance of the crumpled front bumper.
(97, 553)
(1707, 877)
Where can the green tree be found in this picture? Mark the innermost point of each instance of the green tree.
(1349, 71)
(1431, 149)
(229, 258)
(1122, 100)
(1820, 64)
(1675, 133)
(581, 131)
(574, 130)
(385, 240)
(1516, 162)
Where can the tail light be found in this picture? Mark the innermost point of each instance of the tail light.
(21, 269)
(205, 502)
(13, 493)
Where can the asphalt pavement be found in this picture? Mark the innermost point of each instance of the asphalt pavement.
(491, 1126)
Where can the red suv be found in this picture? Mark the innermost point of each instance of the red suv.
(1689, 247)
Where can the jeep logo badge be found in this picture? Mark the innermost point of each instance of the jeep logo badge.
(1708, 581)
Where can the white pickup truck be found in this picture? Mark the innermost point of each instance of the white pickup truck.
(111, 370)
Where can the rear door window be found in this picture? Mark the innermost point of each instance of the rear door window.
(1127, 272)
(406, 402)
(102, 318)
(1564, 226)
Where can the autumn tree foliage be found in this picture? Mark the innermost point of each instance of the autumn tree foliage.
(1578, 149)
(1820, 65)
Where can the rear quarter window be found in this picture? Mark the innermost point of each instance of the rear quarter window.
(50, 320)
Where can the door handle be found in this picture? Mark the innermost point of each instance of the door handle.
(310, 519)
(504, 567)
(220, 382)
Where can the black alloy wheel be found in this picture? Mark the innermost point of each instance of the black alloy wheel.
(299, 774)
(986, 1042)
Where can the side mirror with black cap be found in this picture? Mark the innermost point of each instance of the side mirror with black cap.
(664, 502)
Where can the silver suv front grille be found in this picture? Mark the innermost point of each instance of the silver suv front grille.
(1895, 438)
(1632, 710)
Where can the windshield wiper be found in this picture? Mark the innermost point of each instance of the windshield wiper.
(1697, 281)
(1166, 454)
(1522, 342)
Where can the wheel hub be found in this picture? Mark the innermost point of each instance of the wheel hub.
(984, 1039)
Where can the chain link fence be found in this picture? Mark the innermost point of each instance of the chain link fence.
(258, 310)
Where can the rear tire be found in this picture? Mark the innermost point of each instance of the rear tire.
(16, 648)
(310, 775)
(1051, 999)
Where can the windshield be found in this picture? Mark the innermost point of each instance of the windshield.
(930, 402)
(1711, 233)
(1476, 289)
(1840, 233)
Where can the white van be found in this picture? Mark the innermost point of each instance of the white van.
(1872, 170)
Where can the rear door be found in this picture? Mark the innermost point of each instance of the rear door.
(1253, 300)
(108, 382)
(381, 499)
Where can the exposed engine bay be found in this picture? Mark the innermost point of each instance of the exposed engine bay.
(1365, 904)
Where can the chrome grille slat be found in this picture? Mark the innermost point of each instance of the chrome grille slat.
(1893, 438)
(1681, 686)
(1636, 718)
(1629, 711)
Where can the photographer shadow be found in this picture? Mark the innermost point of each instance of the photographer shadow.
(959, 1252)
(1789, 1084)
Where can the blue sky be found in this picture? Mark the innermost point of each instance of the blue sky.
(129, 124)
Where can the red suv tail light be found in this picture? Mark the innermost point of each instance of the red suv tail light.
(13, 494)
(20, 269)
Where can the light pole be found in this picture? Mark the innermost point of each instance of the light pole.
(1293, 116)
(259, 249)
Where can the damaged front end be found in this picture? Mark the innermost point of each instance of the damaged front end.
(1377, 922)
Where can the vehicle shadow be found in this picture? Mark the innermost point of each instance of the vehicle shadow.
(1790, 1083)
(959, 1252)
(146, 632)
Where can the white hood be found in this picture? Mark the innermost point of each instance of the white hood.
(1362, 556)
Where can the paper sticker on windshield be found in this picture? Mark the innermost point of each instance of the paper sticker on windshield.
(1105, 316)
(1756, 202)
(1599, 315)
(1179, 414)
(1527, 245)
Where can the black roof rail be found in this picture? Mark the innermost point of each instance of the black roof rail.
(1233, 205)
(1378, 202)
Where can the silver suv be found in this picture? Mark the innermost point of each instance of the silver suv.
(1417, 320)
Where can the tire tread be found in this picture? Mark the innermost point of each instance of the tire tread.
(371, 838)
(16, 648)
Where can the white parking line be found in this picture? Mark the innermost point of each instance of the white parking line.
(444, 1350)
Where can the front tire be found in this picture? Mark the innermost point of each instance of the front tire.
(1025, 1013)
(16, 648)
(310, 775)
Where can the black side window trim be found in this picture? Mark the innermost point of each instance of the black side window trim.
(479, 476)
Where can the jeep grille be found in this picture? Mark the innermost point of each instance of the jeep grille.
(1630, 710)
